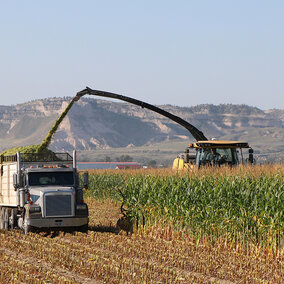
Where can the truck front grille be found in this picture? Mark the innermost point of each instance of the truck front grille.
(58, 205)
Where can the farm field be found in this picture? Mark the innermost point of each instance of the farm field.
(164, 250)
(154, 255)
(243, 205)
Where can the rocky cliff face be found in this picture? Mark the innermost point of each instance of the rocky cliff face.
(98, 124)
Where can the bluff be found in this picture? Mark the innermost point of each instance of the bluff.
(100, 124)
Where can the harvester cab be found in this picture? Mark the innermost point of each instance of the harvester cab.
(208, 152)
(214, 153)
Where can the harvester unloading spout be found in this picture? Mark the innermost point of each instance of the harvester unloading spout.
(197, 134)
(208, 152)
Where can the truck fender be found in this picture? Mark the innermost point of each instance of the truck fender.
(27, 211)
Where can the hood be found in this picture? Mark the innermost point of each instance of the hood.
(37, 192)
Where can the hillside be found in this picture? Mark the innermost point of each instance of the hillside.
(96, 125)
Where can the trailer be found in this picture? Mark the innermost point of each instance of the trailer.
(41, 191)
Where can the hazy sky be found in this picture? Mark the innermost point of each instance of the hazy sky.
(163, 52)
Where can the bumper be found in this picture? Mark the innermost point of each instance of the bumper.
(58, 222)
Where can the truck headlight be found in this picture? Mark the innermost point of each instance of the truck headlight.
(34, 209)
(81, 206)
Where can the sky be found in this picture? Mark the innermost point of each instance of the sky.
(180, 52)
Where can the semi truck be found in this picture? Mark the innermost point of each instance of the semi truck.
(41, 191)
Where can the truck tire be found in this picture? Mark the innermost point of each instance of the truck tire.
(5, 218)
(12, 218)
(2, 218)
(84, 228)
(26, 228)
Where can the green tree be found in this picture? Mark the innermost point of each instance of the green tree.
(124, 158)
(152, 164)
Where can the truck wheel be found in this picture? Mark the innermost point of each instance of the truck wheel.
(27, 228)
(2, 218)
(12, 218)
(84, 228)
(6, 219)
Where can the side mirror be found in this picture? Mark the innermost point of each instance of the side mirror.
(86, 180)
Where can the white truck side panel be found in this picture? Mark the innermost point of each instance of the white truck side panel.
(8, 196)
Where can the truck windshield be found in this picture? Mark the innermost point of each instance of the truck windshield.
(51, 178)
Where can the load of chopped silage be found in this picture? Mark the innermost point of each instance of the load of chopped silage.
(43, 147)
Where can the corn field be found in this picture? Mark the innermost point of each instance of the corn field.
(209, 226)
(243, 206)
(153, 254)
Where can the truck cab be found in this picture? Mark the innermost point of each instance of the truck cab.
(44, 194)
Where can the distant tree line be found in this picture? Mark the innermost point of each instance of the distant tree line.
(122, 158)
